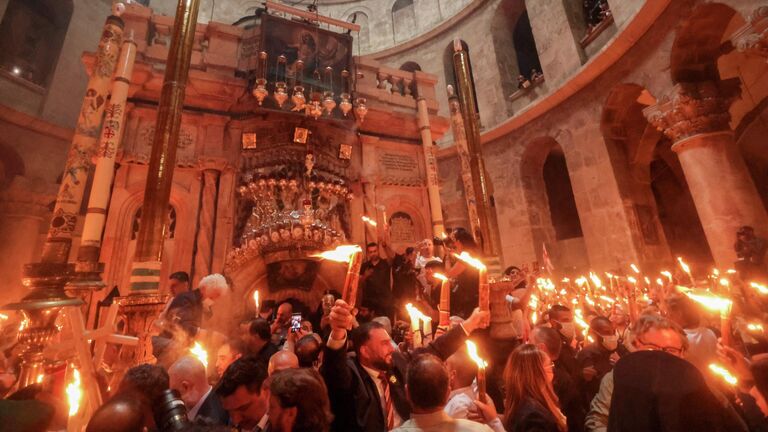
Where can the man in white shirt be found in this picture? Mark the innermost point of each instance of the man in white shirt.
(461, 374)
(188, 377)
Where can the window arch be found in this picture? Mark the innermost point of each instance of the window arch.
(363, 42)
(525, 47)
(31, 36)
(403, 20)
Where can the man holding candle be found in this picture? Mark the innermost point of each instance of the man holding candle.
(367, 391)
(376, 280)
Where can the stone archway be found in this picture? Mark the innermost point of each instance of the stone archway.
(552, 212)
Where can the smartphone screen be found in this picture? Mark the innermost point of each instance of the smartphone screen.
(295, 322)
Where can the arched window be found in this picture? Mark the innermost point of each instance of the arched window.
(31, 36)
(363, 42)
(525, 48)
(403, 20)
(562, 204)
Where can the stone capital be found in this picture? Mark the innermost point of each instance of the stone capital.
(694, 108)
(752, 37)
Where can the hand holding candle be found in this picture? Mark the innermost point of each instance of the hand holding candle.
(353, 255)
(481, 365)
(445, 301)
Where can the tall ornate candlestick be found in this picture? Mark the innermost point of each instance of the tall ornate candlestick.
(353, 256)
(445, 301)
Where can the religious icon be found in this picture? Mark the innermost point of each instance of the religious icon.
(345, 151)
(300, 135)
(249, 140)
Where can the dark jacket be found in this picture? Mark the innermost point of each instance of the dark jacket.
(354, 397)
(531, 416)
(656, 391)
(186, 312)
(597, 356)
(211, 411)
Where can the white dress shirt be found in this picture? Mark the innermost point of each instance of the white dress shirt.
(460, 401)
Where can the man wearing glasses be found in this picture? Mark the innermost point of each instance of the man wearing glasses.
(650, 333)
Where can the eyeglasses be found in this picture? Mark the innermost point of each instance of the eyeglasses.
(676, 351)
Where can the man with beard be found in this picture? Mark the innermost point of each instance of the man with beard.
(368, 390)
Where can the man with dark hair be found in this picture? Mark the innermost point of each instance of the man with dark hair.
(702, 341)
(561, 319)
(427, 389)
(598, 357)
(308, 350)
(376, 281)
(178, 283)
(258, 342)
(367, 390)
(431, 284)
(299, 402)
(464, 289)
(243, 394)
(404, 273)
(228, 353)
(146, 380)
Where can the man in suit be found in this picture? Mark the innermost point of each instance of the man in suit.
(187, 376)
(367, 390)
(244, 394)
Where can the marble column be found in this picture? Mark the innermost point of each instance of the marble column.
(433, 188)
(696, 118)
(206, 223)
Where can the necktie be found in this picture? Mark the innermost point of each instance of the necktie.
(389, 411)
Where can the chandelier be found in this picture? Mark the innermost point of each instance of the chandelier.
(315, 100)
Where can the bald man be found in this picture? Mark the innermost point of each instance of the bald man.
(188, 377)
(123, 413)
(461, 373)
(282, 360)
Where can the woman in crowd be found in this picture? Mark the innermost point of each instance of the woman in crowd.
(530, 404)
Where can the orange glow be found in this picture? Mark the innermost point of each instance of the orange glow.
(440, 276)
(711, 302)
(684, 266)
(256, 299)
(723, 373)
(416, 314)
(369, 221)
(198, 351)
(74, 393)
(343, 253)
(469, 259)
(762, 289)
(596, 280)
(667, 274)
(472, 351)
(634, 268)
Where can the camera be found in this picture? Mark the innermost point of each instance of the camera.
(447, 242)
(170, 413)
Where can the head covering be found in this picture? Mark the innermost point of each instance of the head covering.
(656, 391)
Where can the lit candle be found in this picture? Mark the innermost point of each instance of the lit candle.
(686, 269)
(369, 221)
(74, 392)
(353, 256)
(484, 294)
(415, 316)
(445, 301)
(723, 373)
(481, 365)
(256, 301)
(199, 352)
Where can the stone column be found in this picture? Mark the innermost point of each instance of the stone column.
(87, 265)
(206, 223)
(433, 189)
(752, 37)
(696, 118)
(83, 148)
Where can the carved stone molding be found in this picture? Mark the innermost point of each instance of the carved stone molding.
(694, 108)
(752, 37)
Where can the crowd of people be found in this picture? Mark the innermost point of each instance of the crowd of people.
(344, 368)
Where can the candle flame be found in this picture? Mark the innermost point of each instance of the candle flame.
(415, 313)
(724, 282)
(762, 289)
(659, 282)
(631, 279)
(595, 280)
(667, 274)
(369, 221)
(74, 393)
(723, 373)
(472, 351)
(440, 276)
(3, 316)
(343, 253)
(731, 271)
(608, 299)
(755, 327)
(469, 259)
(711, 302)
(198, 351)
(581, 281)
(40, 378)
(634, 268)
(683, 265)
(715, 272)
(256, 299)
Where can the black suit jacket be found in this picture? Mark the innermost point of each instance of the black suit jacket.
(353, 394)
(186, 311)
(212, 412)
(531, 416)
